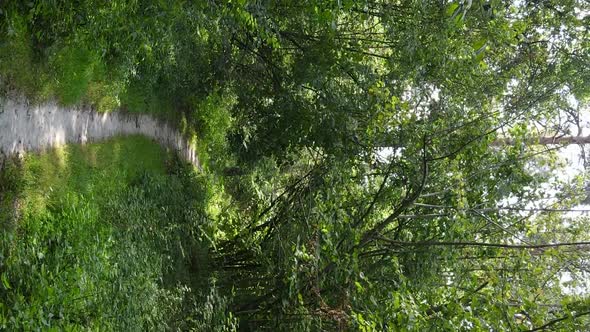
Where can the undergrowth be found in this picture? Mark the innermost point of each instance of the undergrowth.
(111, 236)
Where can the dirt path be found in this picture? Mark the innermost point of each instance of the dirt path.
(25, 127)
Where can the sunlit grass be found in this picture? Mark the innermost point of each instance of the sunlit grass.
(94, 169)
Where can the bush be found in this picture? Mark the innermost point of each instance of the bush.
(213, 121)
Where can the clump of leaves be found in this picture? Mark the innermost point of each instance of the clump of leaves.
(212, 120)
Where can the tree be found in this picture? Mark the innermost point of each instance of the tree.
(437, 90)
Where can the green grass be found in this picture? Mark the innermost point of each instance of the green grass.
(18, 68)
(111, 236)
(94, 170)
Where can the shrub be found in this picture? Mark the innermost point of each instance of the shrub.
(213, 121)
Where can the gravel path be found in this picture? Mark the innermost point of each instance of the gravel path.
(25, 127)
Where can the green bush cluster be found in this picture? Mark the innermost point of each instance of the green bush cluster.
(212, 120)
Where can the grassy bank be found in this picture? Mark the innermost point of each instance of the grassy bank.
(108, 236)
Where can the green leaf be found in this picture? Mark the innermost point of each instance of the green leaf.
(359, 287)
(5, 281)
(451, 9)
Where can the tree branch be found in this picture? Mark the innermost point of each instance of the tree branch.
(557, 320)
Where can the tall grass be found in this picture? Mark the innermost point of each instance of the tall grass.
(111, 236)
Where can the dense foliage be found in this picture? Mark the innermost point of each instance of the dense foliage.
(375, 162)
(102, 243)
